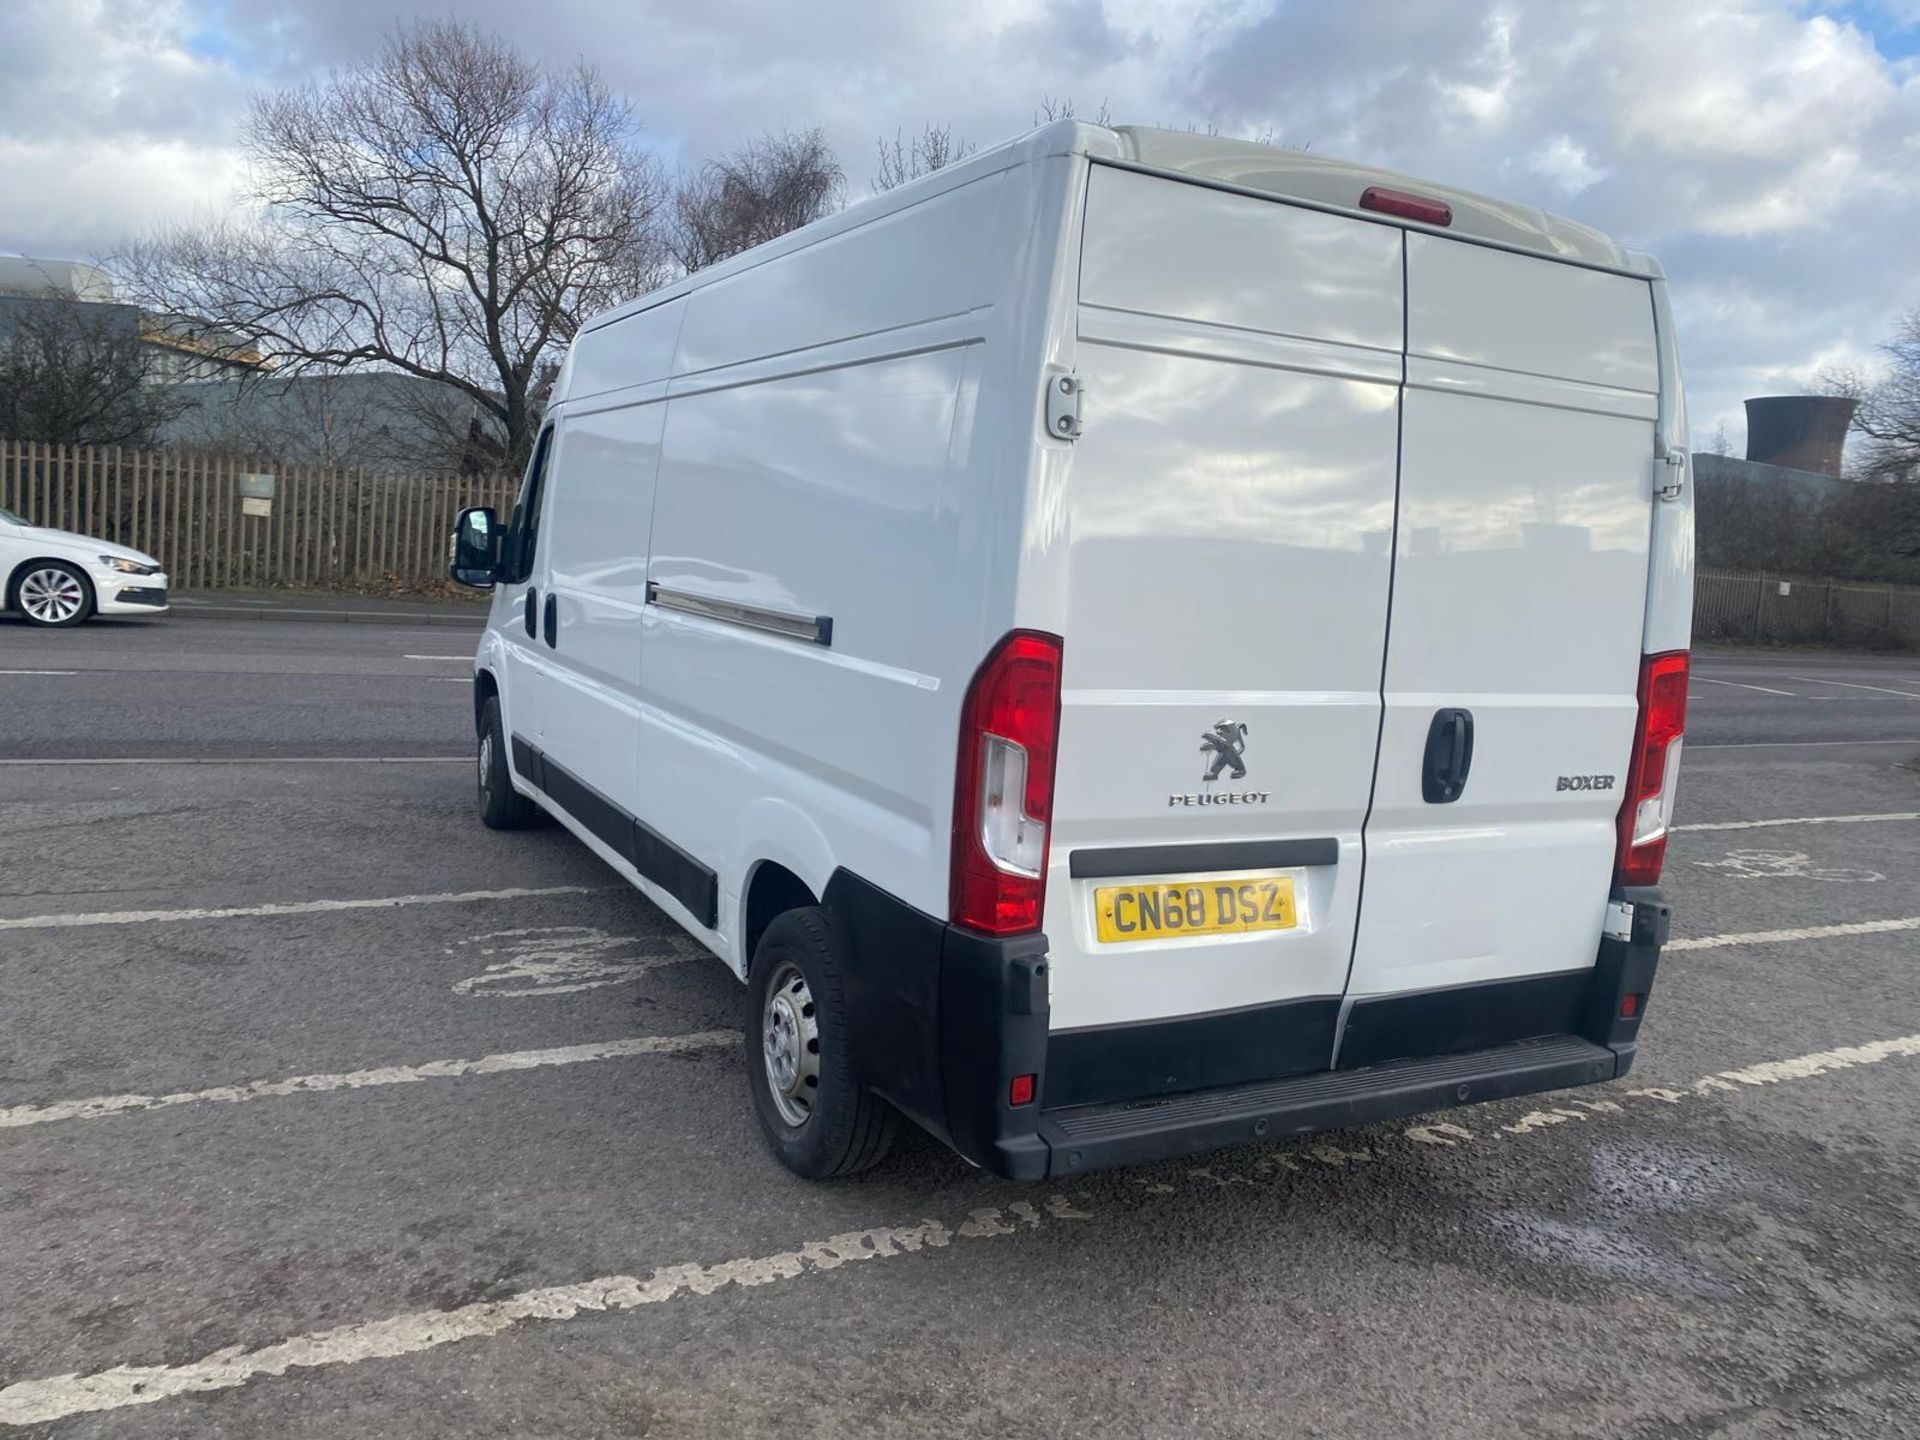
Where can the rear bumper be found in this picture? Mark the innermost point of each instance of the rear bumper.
(943, 1020)
(1089, 1137)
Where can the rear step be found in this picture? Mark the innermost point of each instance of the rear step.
(1088, 1137)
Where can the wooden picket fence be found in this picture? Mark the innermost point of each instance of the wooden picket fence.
(327, 526)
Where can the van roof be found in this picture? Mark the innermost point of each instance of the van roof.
(1338, 184)
(1244, 165)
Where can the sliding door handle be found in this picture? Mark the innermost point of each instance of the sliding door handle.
(552, 620)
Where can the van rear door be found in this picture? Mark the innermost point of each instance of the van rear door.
(1227, 529)
(1519, 596)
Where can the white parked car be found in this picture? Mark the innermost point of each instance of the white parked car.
(1132, 643)
(55, 577)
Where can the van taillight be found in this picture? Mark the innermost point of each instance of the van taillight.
(1003, 795)
(1647, 812)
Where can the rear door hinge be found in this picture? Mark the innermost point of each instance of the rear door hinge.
(1669, 475)
(1063, 406)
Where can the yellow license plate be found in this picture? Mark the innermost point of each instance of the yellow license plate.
(1193, 907)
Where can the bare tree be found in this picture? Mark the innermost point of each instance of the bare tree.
(901, 159)
(1889, 414)
(1051, 109)
(75, 373)
(447, 209)
(764, 189)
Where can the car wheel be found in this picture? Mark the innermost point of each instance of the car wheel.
(501, 806)
(817, 1117)
(53, 593)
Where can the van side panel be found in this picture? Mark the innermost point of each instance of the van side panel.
(810, 477)
(596, 574)
(1519, 595)
(1230, 509)
(914, 265)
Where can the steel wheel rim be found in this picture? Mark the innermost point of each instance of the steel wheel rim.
(51, 596)
(486, 760)
(790, 1045)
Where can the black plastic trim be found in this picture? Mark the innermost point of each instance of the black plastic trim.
(1464, 1017)
(1183, 859)
(943, 1019)
(1090, 1137)
(693, 884)
(142, 595)
(1193, 1052)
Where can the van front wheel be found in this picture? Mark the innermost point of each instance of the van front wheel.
(817, 1117)
(501, 806)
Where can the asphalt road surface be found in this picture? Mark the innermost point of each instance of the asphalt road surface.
(476, 1157)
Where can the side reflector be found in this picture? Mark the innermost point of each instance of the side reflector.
(1003, 788)
(1020, 1092)
(1653, 772)
(1629, 1006)
(1407, 206)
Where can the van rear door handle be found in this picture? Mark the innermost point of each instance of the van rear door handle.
(533, 611)
(1449, 756)
(552, 620)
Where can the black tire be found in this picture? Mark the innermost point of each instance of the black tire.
(50, 613)
(846, 1127)
(501, 806)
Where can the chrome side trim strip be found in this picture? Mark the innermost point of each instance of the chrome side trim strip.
(814, 629)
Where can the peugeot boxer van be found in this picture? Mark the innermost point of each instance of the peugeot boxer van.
(1132, 643)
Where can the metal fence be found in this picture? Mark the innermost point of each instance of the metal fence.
(212, 523)
(1776, 610)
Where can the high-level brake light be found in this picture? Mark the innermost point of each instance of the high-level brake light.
(1647, 812)
(1406, 205)
(1003, 793)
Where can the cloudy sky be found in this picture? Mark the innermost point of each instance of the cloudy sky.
(1767, 151)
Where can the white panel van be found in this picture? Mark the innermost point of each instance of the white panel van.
(1131, 643)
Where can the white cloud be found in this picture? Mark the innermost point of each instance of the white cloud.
(1770, 154)
(1564, 161)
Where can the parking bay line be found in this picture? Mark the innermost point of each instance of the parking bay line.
(1801, 820)
(1739, 685)
(258, 760)
(39, 1402)
(39, 672)
(286, 907)
(1810, 932)
(102, 1106)
(1851, 685)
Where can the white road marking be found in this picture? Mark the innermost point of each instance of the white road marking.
(284, 907)
(1785, 865)
(1811, 932)
(39, 672)
(1791, 744)
(40, 1402)
(463, 659)
(1803, 820)
(564, 959)
(1739, 685)
(273, 760)
(101, 1106)
(1910, 694)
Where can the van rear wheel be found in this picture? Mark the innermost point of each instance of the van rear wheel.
(817, 1117)
(501, 806)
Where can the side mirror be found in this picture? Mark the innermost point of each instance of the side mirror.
(473, 554)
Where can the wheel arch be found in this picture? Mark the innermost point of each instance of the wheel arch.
(771, 891)
(485, 688)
